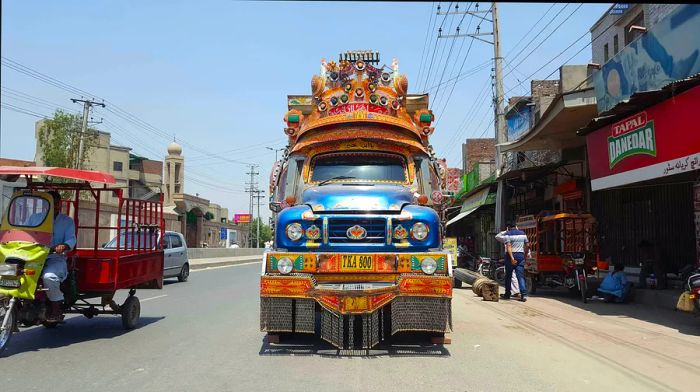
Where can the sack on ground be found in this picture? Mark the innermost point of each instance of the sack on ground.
(685, 303)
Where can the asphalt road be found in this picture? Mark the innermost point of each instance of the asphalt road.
(203, 336)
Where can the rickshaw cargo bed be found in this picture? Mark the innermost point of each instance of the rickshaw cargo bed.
(104, 271)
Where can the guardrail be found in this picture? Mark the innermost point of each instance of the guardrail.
(206, 253)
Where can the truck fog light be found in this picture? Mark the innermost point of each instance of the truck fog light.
(294, 231)
(420, 231)
(428, 265)
(285, 265)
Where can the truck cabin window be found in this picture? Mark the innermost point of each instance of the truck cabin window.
(358, 167)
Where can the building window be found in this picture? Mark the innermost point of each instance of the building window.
(117, 166)
(606, 53)
(616, 44)
(634, 34)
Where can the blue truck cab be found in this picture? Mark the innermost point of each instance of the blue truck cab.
(357, 237)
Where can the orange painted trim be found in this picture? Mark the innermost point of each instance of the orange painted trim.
(432, 286)
(285, 286)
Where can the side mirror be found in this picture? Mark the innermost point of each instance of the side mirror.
(275, 206)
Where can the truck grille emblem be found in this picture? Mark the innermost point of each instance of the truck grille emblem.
(356, 232)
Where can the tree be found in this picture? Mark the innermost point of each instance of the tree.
(208, 216)
(59, 141)
(265, 233)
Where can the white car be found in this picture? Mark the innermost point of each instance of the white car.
(176, 263)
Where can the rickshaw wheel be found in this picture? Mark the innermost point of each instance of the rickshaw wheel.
(531, 285)
(49, 325)
(6, 335)
(131, 311)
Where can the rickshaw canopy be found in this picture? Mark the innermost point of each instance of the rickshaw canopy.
(62, 172)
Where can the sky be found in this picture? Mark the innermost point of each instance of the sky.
(214, 75)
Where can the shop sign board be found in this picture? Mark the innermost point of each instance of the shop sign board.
(242, 218)
(660, 141)
(450, 245)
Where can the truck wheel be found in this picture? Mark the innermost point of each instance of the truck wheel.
(131, 311)
(184, 273)
(6, 334)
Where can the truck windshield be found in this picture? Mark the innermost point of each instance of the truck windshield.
(358, 167)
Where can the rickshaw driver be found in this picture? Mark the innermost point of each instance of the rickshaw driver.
(55, 269)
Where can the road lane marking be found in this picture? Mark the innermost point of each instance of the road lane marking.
(224, 266)
(156, 297)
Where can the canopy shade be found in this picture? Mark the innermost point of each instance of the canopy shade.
(62, 172)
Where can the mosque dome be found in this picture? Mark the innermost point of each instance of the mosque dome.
(174, 149)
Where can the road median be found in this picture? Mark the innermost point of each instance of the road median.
(203, 263)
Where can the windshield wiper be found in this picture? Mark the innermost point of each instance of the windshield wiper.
(326, 181)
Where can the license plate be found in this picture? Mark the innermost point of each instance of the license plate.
(9, 283)
(356, 262)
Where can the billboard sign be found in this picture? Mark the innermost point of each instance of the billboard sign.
(660, 56)
(657, 142)
(242, 218)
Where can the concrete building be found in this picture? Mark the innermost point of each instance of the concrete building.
(611, 33)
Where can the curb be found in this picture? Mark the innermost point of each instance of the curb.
(201, 266)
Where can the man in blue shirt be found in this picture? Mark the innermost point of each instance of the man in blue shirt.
(55, 269)
(516, 248)
(615, 287)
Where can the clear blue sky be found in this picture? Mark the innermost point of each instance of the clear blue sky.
(215, 74)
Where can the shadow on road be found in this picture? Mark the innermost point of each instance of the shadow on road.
(401, 345)
(684, 323)
(77, 329)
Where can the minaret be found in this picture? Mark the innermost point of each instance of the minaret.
(174, 173)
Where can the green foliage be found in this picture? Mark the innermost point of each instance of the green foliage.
(208, 216)
(59, 141)
(265, 232)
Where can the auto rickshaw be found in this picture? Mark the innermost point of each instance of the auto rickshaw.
(94, 273)
(563, 250)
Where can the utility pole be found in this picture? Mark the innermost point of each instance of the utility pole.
(87, 104)
(252, 189)
(259, 194)
(498, 99)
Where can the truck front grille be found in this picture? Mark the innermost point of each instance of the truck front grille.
(338, 227)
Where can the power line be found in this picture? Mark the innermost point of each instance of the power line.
(432, 60)
(22, 110)
(546, 38)
(425, 42)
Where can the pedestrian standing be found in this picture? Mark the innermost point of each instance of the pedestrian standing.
(516, 244)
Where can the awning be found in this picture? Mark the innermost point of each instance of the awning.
(62, 172)
(559, 123)
(471, 204)
(460, 216)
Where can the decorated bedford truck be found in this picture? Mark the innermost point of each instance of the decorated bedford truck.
(357, 238)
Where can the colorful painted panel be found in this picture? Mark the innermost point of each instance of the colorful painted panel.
(285, 286)
(437, 286)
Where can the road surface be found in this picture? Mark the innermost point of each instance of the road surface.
(203, 335)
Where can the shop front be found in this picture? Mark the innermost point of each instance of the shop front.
(643, 163)
(474, 225)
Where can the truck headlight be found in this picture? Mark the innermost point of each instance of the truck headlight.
(8, 269)
(294, 231)
(420, 231)
(428, 265)
(285, 265)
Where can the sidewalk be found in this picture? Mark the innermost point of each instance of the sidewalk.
(196, 264)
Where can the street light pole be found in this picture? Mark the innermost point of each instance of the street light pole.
(275, 150)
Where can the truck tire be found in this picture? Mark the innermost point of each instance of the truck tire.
(131, 311)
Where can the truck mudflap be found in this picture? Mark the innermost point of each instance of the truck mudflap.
(355, 315)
